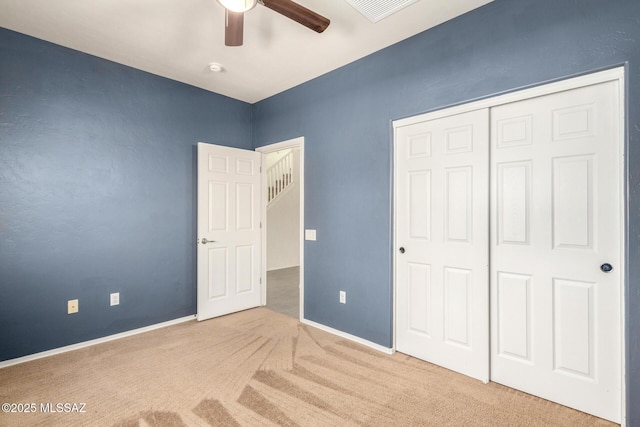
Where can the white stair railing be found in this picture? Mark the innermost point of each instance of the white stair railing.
(279, 177)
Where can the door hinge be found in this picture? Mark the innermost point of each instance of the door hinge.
(260, 224)
(261, 280)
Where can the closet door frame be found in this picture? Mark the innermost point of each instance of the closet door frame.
(547, 88)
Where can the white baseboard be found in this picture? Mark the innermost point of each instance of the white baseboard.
(350, 337)
(282, 268)
(84, 344)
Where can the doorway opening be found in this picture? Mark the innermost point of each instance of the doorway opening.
(283, 219)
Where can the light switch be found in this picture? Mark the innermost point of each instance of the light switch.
(309, 234)
(114, 299)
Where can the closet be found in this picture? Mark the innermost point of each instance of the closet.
(508, 240)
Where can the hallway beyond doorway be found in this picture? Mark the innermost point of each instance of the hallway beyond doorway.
(283, 291)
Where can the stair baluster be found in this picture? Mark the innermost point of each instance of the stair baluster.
(279, 177)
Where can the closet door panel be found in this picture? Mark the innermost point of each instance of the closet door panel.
(555, 220)
(441, 179)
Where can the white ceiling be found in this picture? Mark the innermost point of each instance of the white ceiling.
(177, 39)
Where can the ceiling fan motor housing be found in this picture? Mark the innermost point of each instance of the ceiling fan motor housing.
(234, 16)
(238, 5)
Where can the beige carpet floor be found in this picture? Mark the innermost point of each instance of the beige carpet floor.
(261, 368)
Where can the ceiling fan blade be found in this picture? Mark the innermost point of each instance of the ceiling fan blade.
(298, 13)
(233, 28)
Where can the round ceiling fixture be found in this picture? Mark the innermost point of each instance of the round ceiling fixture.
(238, 5)
(215, 67)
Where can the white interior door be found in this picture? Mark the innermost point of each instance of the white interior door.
(229, 236)
(556, 219)
(441, 242)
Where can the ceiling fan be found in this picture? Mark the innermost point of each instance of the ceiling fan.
(235, 9)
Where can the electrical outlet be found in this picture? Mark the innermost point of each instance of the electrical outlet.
(343, 297)
(309, 234)
(114, 298)
(72, 306)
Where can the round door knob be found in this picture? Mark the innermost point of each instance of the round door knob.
(401, 250)
(606, 267)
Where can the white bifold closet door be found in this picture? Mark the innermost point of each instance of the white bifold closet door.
(532, 189)
(556, 229)
(442, 219)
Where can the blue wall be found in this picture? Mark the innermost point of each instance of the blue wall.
(345, 117)
(97, 193)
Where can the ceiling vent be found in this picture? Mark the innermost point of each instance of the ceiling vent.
(375, 10)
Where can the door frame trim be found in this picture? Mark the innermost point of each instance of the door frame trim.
(545, 88)
(266, 149)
